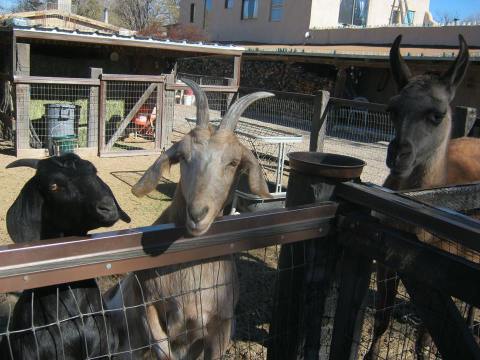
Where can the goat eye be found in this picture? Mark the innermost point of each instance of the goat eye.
(54, 187)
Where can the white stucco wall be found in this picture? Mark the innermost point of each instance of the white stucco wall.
(226, 24)
(324, 13)
(379, 11)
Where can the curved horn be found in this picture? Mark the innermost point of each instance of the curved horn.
(400, 71)
(32, 163)
(203, 116)
(230, 119)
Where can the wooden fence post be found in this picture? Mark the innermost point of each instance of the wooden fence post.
(463, 120)
(168, 112)
(22, 96)
(93, 110)
(317, 135)
(102, 116)
(306, 272)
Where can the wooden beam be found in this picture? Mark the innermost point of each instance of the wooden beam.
(406, 255)
(140, 78)
(102, 116)
(441, 317)
(237, 66)
(19, 79)
(93, 109)
(123, 125)
(22, 97)
(445, 224)
(207, 88)
(317, 134)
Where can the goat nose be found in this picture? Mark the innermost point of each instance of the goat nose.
(106, 207)
(197, 214)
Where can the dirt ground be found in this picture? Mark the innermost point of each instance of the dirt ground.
(119, 173)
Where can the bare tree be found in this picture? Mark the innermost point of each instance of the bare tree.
(446, 17)
(31, 5)
(473, 17)
(92, 9)
(139, 14)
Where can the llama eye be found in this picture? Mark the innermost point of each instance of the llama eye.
(435, 118)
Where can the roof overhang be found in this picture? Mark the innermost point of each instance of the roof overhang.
(120, 40)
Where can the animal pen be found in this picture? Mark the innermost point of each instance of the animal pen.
(305, 272)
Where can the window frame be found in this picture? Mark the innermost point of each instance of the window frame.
(229, 4)
(255, 10)
(192, 13)
(278, 6)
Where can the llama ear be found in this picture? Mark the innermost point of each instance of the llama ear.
(24, 217)
(149, 181)
(256, 180)
(400, 71)
(455, 74)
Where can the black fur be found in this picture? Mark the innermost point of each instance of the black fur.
(64, 198)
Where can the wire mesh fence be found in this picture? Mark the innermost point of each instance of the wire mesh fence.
(58, 117)
(359, 131)
(130, 116)
(115, 317)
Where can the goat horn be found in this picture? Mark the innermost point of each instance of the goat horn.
(233, 114)
(32, 163)
(203, 116)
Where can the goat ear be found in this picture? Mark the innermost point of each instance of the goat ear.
(256, 180)
(24, 217)
(400, 71)
(455, 74)
(149, 181)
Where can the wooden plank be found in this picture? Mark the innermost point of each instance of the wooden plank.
(463, 120)
(353, 288)
(237, 66)
(22, 98)
(406, 255)
(317, 134)
(19, 79)
(93, 109)
(446, 326)
(102, 116)
(443, 223)
(140, 78)
(160, 124)
(113, 154)
(207, 88)
(123, 125)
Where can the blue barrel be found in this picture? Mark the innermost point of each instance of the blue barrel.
(60, 120)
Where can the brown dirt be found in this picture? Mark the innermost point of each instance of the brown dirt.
(119, 173)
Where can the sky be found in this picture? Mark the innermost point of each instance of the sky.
(456, 8)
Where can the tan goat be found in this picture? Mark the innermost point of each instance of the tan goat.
(190, 308)
(422, 156)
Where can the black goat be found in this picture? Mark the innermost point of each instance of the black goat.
(64, 198)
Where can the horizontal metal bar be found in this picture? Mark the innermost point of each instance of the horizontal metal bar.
(406, 255)
(446, 224)
(140, 78)
(57, 261)
(207, 88)
(21, 79)
(361, 104)
(279, 93)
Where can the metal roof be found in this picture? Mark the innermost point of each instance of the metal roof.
(98, 37)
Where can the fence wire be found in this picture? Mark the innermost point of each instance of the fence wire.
(359, 132)
(57, 117)
(105, 318)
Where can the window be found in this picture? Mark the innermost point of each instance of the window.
(228, 4)
(208, 5)
(410, 17)
(249, 9)
(192, 13)
(353, 12)
(276, 11)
